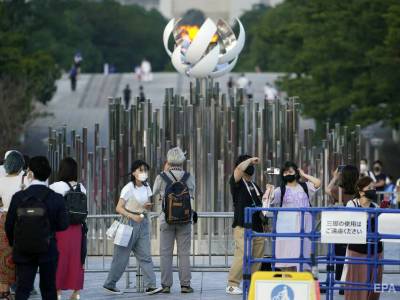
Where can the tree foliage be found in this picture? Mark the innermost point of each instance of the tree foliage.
(343, 57)
(103, 31)
(39, 38)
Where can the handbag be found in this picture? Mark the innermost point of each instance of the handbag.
(110, 233)
(123, 234)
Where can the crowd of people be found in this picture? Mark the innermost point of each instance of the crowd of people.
(40, 228)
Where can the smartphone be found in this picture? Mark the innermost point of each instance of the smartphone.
(340, 168)
(273, 171)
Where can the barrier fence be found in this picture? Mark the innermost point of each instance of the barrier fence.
(211, 251)
(328, 259)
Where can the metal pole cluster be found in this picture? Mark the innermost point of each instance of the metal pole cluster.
(214, 129)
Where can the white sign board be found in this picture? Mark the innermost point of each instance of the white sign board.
(344, 227)
(279, 290)
(389, 224)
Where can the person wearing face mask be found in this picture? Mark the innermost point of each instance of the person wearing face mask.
(245, 193)
(293, 193)
(378, 176)
(9, 185)
(342, 189)
(134, 204)
(358, 273)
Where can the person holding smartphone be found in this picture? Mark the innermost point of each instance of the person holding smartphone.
(134, 204)
(245, 193)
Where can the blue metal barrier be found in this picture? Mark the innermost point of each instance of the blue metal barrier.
(330, 259)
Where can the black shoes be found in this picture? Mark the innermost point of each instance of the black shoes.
(186, 289)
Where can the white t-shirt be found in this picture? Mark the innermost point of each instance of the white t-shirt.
(9, 185)
(135, 197)
(62, 188)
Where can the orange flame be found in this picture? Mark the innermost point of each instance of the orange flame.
(192, 30)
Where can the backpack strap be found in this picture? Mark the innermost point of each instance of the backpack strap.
(166, 178)
(185, 177)
(173, 176)
(305, 188)
(69, 185)
(283, 191)
(40, 198)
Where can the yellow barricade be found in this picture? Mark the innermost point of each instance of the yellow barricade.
(283, 286)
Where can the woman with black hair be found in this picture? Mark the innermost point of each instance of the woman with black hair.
(293, 193)
(133, 205)
(71, 243)
(342, 189)
(358, 273)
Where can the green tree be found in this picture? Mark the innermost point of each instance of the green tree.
(342, 57)
(25, 76)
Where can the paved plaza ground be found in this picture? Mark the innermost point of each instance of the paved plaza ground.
(207, 286)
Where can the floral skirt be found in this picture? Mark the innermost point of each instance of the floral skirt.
(7, 266)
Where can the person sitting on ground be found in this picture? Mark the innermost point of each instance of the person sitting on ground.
(31, 231)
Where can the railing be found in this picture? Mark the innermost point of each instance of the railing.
(326, 259)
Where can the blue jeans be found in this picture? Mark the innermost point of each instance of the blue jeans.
(140, 245)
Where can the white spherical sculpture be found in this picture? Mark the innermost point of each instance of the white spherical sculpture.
(209, 51)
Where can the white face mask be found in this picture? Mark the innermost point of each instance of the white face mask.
(29, 177)
(363, 168)
(142, 176)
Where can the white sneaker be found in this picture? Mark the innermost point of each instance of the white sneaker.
(233, 290)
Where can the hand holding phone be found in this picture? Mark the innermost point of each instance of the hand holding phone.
(273, 171)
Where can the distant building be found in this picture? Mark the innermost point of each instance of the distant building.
(226, 9)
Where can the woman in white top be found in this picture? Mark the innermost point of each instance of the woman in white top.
(9, 185)
(71, 243)
(133, 205)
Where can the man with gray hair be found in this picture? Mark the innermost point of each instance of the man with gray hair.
(169, 231)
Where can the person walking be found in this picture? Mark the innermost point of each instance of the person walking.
(31, 232)
(71, 243)
(245, 193)
(293, 193)
(133, 206)
(170, 232)
(127, 96)
(11, 183)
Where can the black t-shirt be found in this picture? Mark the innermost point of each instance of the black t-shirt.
(363, 248)
(242, 199)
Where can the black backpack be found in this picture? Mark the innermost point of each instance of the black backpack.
(76, 204)
(32, 230)
(176, 202)
(302, 184)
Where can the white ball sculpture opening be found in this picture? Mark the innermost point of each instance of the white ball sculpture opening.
(209, 51)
